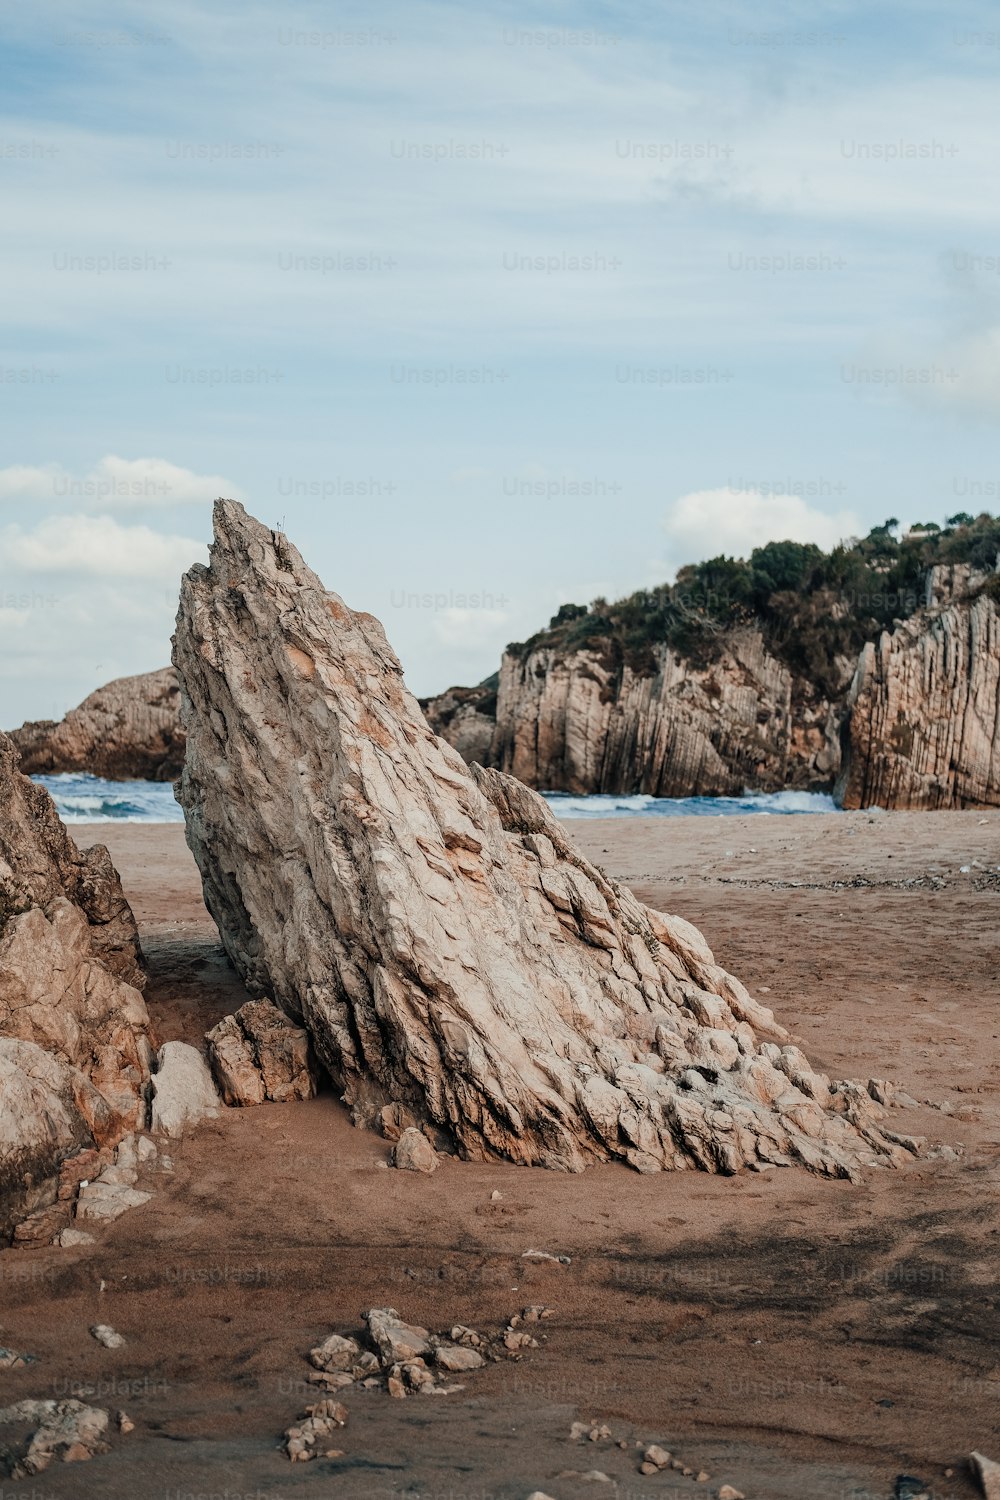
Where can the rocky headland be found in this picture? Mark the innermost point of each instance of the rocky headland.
(129, 730)
(693, 691)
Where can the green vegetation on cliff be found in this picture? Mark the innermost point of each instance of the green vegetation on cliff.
(812, 607)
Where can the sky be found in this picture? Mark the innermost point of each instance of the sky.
(489, 308)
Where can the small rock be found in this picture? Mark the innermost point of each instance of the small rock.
(335, 1353)
(648, 1468)
(70, 1237)
(539, 1495)
(457, 1360)
(703, 1476)
(395, 1340)
(11, 1360)
(145, 1149)
(519, 1341)
(413, 1152)
(727, 1492)
(108, 1200)
(396, 1388)
(106, 1335)
(125, 1423)
(496, 1195)
(654, 1454)
(184, 1092)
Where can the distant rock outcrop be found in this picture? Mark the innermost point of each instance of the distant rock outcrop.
(74, 1031)
(583, 722)
(432, 927)
(923, 713)
(127, 731)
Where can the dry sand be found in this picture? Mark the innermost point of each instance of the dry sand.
(797, 1338)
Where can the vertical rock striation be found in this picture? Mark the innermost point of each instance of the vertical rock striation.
(452, 956)
(923, 723)
(583, 722)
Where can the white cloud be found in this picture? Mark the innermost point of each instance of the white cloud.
(97, 546)
(707, 523)
(115, 483)
(469, 628)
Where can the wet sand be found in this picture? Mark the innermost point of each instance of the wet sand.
(797, 1338)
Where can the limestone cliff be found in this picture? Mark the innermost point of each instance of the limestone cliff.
(585, 722)
(128, 730)
(923, 713)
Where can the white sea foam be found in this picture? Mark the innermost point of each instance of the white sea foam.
(89, 799)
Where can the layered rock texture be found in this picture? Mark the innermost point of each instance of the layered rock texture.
(74, 1031)
(583, 722)
(258, 1055)
(923, 722)
(431, 926)
(128, 730)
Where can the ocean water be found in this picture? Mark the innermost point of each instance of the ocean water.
(88, 799)
(565, 805)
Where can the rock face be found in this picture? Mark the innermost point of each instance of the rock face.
(258, 1055)
(184, 1093)
(128, 730)
(431, 925)
(466, 718)
(74, 1030)
(583, 723)
(923, 728)
(567, 723)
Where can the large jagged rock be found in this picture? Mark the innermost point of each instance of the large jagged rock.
(433, 928)
(922, 728)
(74, 1030)
(128, 730)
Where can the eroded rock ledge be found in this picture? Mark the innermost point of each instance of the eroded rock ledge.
(433, 928)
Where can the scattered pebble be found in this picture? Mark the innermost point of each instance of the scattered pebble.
(106, 1335)
(125, 1423)
(11, 1360)
(309, 1438)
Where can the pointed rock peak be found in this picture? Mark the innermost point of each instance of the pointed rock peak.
(455, 960)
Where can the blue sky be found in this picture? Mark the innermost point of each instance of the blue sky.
(492, 310)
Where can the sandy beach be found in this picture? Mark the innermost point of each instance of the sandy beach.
(797, 1338)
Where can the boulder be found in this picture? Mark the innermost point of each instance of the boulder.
(75, 1042)
(70, 1430)
(128, 730)
(184, 1093)
(413, 1152)
(71, 969)
(258, 1054)
(48, 1111)
(433, 928)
